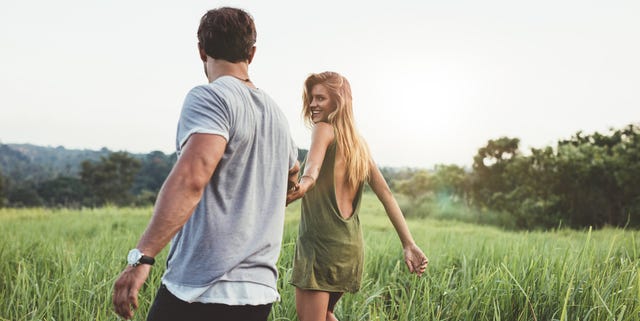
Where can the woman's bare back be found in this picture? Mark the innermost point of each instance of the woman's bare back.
(345, 194)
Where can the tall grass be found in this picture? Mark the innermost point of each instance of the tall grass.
(61, 265)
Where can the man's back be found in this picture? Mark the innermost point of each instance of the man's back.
(236, 230)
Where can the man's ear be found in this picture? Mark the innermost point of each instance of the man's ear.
(252, 53)
(203, 55)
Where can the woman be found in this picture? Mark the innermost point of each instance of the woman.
(329, 254)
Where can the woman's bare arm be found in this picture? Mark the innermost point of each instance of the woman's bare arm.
(414, 257)
(321, 137)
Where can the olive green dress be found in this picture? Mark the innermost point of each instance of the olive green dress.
(329, 254)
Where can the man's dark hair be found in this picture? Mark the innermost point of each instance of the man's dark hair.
(227, 33)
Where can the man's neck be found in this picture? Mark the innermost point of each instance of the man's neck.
(217, 68)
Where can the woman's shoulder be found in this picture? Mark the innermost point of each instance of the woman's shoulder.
(323, 126)
(323, 131)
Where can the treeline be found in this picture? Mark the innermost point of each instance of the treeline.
(119, 178)
(587, 180)
(40, 176)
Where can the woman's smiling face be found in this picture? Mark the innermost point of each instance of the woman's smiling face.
(321, 105)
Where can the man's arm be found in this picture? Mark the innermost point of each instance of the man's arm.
(176, 201)
(182, 190)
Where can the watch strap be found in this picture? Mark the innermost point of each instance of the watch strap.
(146, 260)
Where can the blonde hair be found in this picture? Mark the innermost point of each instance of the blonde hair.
(350, 143)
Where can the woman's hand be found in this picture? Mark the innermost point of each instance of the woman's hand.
(414, 258)
(306, 183)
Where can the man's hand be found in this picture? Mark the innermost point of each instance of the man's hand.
(126, 288)
(298, 191)
(293, 176)
(292, 182)
(294, 194)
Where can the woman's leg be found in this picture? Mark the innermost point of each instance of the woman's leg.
(312, 305)
(333, 299)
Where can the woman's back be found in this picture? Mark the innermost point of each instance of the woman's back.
(345, 194)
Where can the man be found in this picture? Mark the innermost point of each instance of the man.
(222, 206)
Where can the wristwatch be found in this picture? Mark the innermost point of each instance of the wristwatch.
(136, 258)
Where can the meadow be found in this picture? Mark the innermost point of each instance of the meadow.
(61, 265)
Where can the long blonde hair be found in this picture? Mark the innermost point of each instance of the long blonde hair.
(350, 143)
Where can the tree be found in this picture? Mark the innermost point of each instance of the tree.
(488, 182)
(598, 178)
(110, 180)
(416, 187)
(24, 195)
(63, 191)
(627, 174)
(530, 199)
(450, 180)
(588, 180)
(155, 168)
(395, 175)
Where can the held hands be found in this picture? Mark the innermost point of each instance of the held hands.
(126, 288)
(299, 189)
(416, 260)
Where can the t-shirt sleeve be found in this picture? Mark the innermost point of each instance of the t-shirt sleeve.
(203, 112)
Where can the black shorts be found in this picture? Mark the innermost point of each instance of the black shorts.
(167, 307)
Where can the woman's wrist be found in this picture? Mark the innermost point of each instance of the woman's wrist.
(313, 180)
(408, 244)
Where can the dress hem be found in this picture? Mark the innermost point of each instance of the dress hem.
(326, 289)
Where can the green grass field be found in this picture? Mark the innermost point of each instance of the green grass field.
(61, 265)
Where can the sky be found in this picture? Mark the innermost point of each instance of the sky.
(432, 81)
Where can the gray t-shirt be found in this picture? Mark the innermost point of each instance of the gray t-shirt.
(235, 232)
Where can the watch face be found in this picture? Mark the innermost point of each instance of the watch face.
(134, 256)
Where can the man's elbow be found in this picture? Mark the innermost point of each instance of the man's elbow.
(190, 180)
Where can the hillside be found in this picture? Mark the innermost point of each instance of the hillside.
(26, 162)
